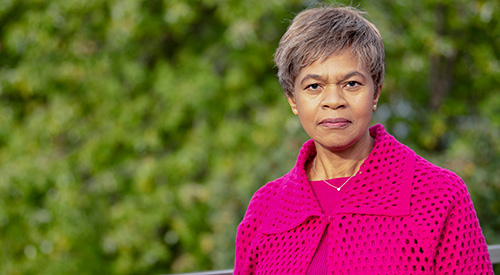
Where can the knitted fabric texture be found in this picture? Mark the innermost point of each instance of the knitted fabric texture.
(328, 197)
(398, 215)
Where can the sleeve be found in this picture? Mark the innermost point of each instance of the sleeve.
(245, 261)
(462, 248)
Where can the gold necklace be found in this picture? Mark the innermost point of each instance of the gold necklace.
(338, 188)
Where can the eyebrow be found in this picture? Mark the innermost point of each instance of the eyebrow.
(353, 73)
(344, 77)
(310, 76)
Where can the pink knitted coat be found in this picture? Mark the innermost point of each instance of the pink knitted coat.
(399, 215)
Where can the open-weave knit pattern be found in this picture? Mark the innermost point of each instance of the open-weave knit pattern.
(399, 215)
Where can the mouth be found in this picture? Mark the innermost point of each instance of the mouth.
(335, 123)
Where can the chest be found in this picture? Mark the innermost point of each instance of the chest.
(357, 244)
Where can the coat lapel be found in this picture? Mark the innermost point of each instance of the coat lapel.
(383, 184)
(295, 200)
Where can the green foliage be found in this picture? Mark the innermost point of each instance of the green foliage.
(133, 132)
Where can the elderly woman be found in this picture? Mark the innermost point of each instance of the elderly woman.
(357, 200)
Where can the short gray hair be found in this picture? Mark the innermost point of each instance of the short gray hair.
(317, 33)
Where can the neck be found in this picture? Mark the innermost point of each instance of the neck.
(339, 163)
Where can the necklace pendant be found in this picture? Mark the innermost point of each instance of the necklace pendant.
(338, 188)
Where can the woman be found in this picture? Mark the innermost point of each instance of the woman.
(357, 200)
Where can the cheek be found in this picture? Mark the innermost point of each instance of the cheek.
(368, 103)
(364, 109)
(305, 119)
(306, 110)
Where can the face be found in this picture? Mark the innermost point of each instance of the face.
(334, 100)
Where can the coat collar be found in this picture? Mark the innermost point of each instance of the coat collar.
(382, 186)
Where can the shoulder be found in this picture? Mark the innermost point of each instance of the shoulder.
(265, 197)
(426, 175)
(437, 182)
(262, 199)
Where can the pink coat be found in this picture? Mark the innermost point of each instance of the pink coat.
(399, 215)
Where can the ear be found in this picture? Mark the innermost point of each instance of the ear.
(376, 96)
(293, 104)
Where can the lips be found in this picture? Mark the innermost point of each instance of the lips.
(335, 123)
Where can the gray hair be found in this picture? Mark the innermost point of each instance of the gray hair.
(317, 33)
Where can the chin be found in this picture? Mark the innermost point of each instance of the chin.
(338, 148)
(335, 146)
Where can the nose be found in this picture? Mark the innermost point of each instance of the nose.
(333, 97)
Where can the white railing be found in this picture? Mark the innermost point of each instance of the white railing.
(494, 253)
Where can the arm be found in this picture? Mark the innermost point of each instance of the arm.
(462, 248)
(244, 263)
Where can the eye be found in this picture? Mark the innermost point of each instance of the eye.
(352, 84)
(314, 86)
